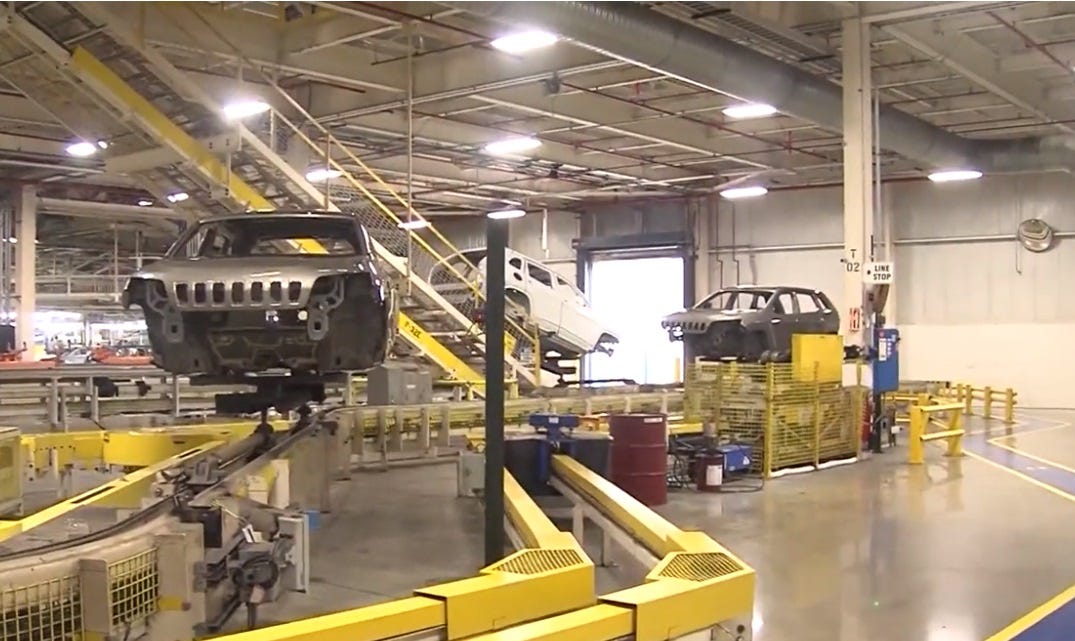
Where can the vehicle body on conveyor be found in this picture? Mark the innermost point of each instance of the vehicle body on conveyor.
(536, 294)
(751, 323)
(248, 293)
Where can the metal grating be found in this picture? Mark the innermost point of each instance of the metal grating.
(699, 566)
(133, 587)
(49, 611)
(538, 561)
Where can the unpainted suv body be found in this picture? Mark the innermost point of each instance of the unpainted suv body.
(253, 292)
(752, 324)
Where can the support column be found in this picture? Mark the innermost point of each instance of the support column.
(25, 274)
(858, 173)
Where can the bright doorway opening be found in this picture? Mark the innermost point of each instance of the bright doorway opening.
(632, 295)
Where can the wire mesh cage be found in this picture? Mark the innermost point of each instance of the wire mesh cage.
(133, 588)
(46, 611)
(790, 419)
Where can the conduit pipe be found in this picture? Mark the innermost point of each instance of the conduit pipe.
(633, 33)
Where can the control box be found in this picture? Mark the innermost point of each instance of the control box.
(886, 361)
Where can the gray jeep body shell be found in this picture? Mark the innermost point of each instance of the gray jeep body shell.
(249, 299)
(752, 324)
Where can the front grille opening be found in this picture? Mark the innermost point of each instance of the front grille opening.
(237, 293)
(276, 292)
(294, 291)
(199, 294)
(218, 293)
(182, 292)
(257, 292)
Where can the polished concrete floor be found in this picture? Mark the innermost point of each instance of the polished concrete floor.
(880, 550)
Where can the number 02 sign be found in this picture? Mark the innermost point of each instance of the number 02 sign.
(854, 319)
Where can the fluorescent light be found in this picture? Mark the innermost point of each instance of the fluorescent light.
(954, 175)
(144, 202)
(513, 145)
(178, 197)
(414, 223)
(244, 108)
(506, 213)
(321, 174)
(524, 41)
(749, 110)
(735, 193)
(82, 149)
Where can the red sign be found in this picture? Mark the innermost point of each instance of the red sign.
(854, 319)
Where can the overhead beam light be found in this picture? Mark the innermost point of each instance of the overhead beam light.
(244, 109)
(514, 145)
(735, 193)
(524, 41)
(955, 175)
(503, 214)
(749, 110)
(413, 224)
(83, 148)
(321, 174)
(178, 197)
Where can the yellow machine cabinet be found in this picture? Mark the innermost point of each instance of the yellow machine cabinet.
(820, 353)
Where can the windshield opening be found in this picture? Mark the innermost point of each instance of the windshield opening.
(271, 235)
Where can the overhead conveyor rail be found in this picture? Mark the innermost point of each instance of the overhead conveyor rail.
(104, 83)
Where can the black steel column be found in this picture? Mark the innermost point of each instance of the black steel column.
(496, 240)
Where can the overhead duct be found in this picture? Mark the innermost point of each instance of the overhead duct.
(632, 33)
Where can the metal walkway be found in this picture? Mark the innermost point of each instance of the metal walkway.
(93, 73)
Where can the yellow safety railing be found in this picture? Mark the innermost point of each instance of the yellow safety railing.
(927, 413)
(987, 397)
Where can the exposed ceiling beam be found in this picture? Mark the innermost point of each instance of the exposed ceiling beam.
(977, 63)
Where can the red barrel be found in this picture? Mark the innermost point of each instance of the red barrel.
(639, 455)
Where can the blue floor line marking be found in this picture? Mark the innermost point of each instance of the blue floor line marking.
(1056, 626)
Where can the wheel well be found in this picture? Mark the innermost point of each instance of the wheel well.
(518, 297)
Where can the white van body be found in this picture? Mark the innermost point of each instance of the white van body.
(567, 323)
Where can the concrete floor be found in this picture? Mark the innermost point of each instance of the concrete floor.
(954, 550)
(951, 551)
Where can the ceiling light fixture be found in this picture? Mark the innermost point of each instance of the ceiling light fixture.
(244, 108)
(178, 197)
(749, 110)
(735, 193)
(504, 214)
(83, 149)
(144, 202)
(955, 175)
(512, 145)
(413, 224)
(321, 174)
(524, 41)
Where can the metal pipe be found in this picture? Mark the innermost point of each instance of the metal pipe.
(634, 33)
(934, 240)
(496, 242)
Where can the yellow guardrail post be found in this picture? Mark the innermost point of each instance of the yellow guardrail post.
(987, 402)
(955, 442)
(1009, 406)
(968, 398)
(916, 454)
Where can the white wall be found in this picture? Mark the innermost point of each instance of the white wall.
(980, 310)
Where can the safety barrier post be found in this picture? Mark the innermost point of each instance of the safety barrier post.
(968, 398)
(915, 446)
(1009, 406)
(959, 392)
(987, 402)
(955, 442)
